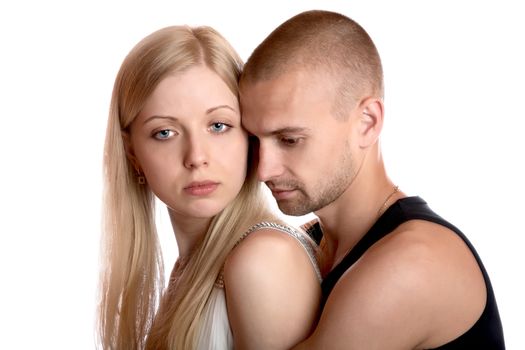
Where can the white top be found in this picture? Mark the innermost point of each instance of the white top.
(216, 332)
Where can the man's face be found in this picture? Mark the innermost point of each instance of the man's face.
(305, 153)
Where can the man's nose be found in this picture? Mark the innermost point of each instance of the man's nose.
(269, 166)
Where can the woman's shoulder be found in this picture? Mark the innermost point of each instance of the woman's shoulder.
(268, 245)
(268, 230)
(271, 289)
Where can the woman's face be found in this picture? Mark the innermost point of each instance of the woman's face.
(189, 143)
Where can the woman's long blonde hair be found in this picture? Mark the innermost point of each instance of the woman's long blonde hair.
(132, 282)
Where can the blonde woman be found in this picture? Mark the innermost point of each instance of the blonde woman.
(174, 131)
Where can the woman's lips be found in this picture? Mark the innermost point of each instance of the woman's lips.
(201, 188)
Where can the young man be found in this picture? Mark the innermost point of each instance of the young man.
(396, 275)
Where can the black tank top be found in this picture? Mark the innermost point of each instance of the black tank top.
(486, 333)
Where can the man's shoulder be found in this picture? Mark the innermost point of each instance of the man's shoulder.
(418, 249)
(420, 271)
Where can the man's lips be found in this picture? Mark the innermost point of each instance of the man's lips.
(282, 193)
(201, 188)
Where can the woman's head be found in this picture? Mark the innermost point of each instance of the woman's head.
(189, 143)
(173, 90)
(132, 276)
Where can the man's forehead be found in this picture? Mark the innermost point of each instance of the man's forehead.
(282, 103)
(268, 93)
(274, 122)
(264, 106)
(263, 124)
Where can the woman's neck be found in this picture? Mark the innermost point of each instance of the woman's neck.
(189, 231)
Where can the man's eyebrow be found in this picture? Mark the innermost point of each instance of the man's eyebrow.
(212, 109)
(169, 117)
(289, 130)
(283, 131)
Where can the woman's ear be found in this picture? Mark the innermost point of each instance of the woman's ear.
(370, 121)
(130, 154)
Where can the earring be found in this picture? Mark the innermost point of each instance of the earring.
(140, 178)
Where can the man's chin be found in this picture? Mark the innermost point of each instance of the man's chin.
(291, 208)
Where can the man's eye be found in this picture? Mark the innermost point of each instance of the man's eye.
(219, 127)
(163, 134)
(289, 141)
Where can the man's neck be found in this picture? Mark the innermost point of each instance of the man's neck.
(346, 220)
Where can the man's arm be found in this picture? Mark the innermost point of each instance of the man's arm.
(419, 287)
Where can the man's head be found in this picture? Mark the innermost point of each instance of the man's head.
(311, 93)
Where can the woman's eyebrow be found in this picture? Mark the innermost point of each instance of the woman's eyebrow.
(169, 117)
(210, 110)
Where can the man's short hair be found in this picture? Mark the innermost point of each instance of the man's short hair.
(322, 42)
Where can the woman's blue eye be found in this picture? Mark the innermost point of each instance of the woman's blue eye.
(163, 134)
(219, 127)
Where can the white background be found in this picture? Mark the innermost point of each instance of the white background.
(454, 75)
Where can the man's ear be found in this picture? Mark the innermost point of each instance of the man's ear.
(130, 154)
(370, 121)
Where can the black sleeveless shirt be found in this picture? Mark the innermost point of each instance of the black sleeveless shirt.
(486, 333)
